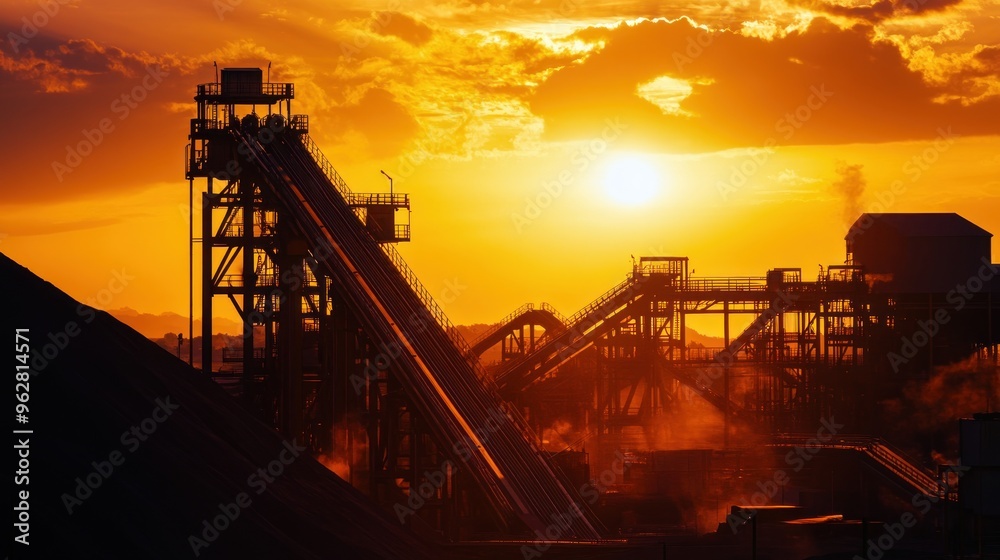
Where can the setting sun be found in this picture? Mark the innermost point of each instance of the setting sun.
(631, 180)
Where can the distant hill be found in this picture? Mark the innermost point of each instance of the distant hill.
(162, 329)
(156, 326)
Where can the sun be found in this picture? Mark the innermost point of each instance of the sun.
(632, 180)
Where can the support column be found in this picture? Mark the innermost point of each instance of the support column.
(291, 403)
(207, 287)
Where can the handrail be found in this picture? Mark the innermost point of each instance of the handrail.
(274, 89)
(903, 466)
(883, 453)
(326, 166)
(555, 313)
(711, 284)
(500, 324)
(400, 200)
(506, 369)
(425, 297)
(582, 314)
(397, 260)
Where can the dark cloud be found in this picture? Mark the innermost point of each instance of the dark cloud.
(386, 123)
(880, 9)
(823, 85)
(404, 27)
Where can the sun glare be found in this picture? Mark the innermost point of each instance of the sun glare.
(631, 180)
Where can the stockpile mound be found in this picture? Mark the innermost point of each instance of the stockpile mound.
(136, 455)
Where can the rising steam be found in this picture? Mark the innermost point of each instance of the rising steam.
(850, 185)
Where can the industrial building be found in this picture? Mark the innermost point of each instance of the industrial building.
(344, 348)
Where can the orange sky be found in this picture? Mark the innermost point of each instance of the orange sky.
(474, 107)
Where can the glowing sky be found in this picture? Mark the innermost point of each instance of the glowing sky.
(749, 132)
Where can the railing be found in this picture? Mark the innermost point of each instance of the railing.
(331, 173)
(201, 125)
(402, 232)
(274, 89)
(198, 158)
(895, 461)
(425, 297)
(506, 371)
(236, 354)
(404, 269)
(598, 303)
(889, 457)
(749, 283)
(379, 199)
(299, 123)
(555, 313)
(499, 325)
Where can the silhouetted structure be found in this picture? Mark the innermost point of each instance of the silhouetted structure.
(917, 253)
(343, 346)
(979, 486)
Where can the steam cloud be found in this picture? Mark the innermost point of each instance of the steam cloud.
(850, 184)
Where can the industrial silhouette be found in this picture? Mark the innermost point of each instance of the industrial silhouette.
(567, 437)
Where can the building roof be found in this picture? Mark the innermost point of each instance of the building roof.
(926, 224)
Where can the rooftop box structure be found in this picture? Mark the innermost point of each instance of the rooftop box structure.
(242, 81)
(917, 253)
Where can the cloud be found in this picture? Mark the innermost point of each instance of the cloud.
(64, 89)
(75, 64)
(386, 125)
(880, 9)
(746, 90)
(404, 27)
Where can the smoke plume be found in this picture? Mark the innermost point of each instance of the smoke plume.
(850, 185)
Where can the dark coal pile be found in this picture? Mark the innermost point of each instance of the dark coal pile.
(136, 455)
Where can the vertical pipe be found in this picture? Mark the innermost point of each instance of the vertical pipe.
(191, 272)
(725, 375)
(207, 241)
(864, 535)
(246, 194)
